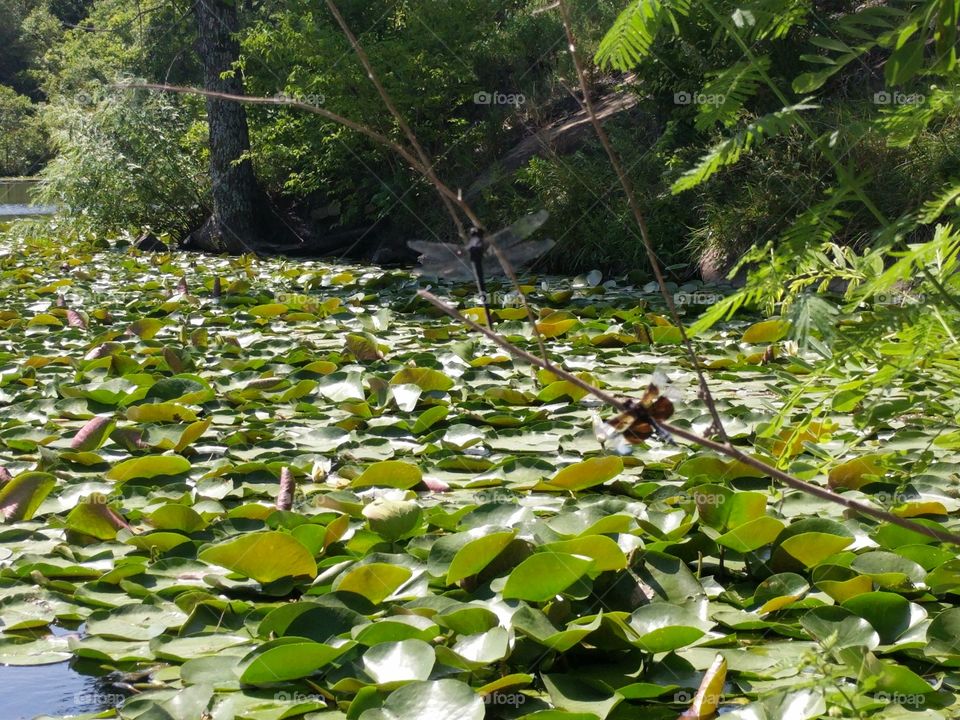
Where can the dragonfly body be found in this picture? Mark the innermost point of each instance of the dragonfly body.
(640, 418)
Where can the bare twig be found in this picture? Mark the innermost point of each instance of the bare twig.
(638, 216)
(323, 112)
(723, 448)
(508, 269)
(385, 96)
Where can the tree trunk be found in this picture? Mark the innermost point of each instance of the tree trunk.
(242, 216)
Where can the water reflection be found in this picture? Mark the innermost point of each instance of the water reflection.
(15, 199)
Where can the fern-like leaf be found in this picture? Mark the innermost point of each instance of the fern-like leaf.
(938, 256)
(912, 113)
(769, 19)
(813, 322)
(730, 89)
(852, 36)
(728, 152)
(635, 29)
(933, 209)
(722, 310)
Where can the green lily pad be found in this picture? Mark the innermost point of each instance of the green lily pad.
(263, 556)
(544, 575)
(430, 700)
(287, 659)
(148, 467)
(401, 661)
(389, 473)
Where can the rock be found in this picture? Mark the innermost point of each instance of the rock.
(148, 242)
(714, 264)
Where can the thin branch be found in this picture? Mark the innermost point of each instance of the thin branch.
(508, 269)
(323, 112)
(641, 221)
(427, 164)
(722, 448)
(423, 167)
(385, 96)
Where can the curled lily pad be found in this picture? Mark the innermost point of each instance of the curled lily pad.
(21, 496)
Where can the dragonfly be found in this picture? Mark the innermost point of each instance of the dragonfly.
(477, 260)
(640, 420)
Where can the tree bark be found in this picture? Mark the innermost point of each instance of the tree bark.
(242, 216)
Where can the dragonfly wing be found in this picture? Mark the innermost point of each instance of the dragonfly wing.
(518, 255)
(442, 260)
(609, 437)
(522, 228)
(665, 385)
(660, 378)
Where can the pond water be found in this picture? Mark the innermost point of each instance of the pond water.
(52, 690)
(55, 689)
(15, 200)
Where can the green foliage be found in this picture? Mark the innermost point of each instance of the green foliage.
(633, 33)
(23, 142)
(733, 87)
(28, 31)
(728, 152)
(739, 84)
(423, 567)
(130, 147)
(590, 221)
(501, 49)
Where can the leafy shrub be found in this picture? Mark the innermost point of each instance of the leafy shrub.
(23, 142)
(122, 161)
